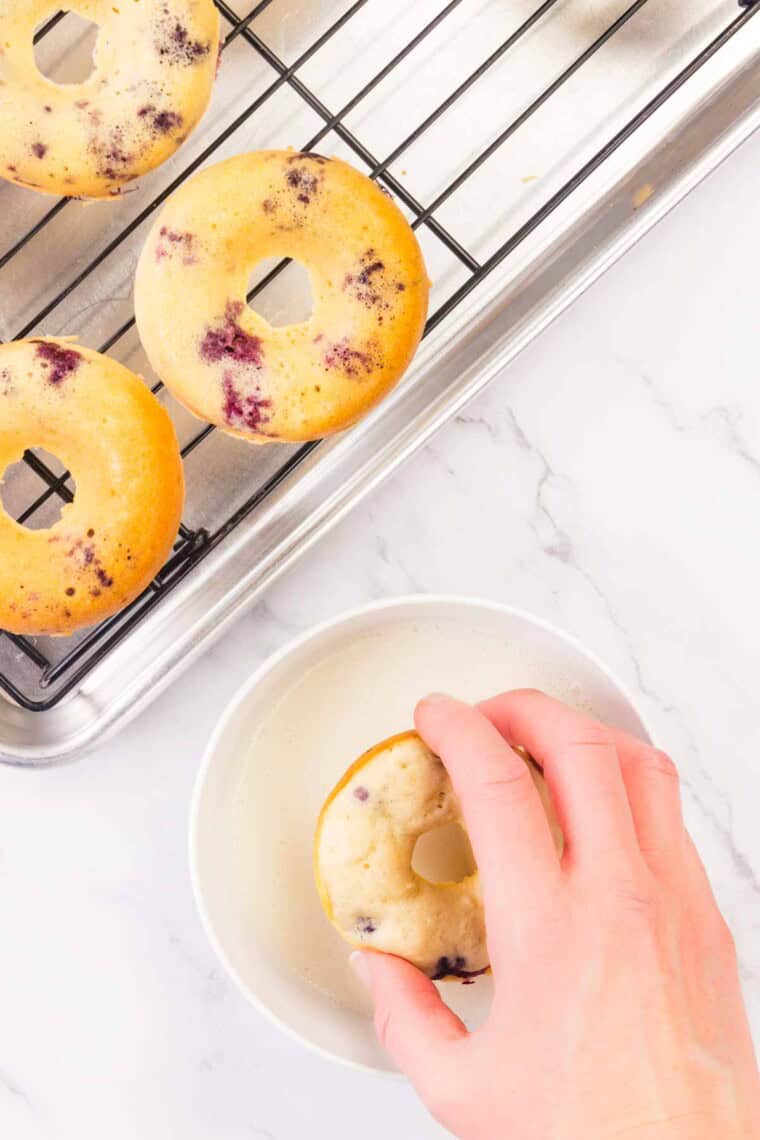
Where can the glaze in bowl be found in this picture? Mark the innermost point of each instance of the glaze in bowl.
(284, 741)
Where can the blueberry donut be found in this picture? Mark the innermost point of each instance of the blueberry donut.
(155, 62)
(225, 362)
(119, 444)
(366, 835)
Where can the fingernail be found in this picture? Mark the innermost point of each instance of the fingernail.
(358, 963)
(437, 698)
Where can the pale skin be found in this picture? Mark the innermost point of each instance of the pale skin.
(617, 1011)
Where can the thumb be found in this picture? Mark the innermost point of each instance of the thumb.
(412, 1021)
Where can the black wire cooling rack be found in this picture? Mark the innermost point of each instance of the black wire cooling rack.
(42, 679)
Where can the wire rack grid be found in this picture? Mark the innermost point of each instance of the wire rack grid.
(38, 673)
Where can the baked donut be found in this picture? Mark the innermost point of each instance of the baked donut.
(366, 835)
(155, 63)
(226, 363)
(121, 448)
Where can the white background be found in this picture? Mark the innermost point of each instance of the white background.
(609, 481)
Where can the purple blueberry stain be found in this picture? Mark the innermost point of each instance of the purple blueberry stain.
(105, 579)
(231, 343)
(370, 286)
(243, 410)
(161, 122)
(87, 557)
(112, 156)
(61, 362)
(179, 242)
(167, 121)
(365, 925)
(175, 45)
(361, 793)
(304, 183)
(342, 357)
(232, 346)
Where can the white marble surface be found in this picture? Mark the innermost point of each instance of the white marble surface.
(609, 481)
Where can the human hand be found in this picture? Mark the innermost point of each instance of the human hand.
(617, 1011)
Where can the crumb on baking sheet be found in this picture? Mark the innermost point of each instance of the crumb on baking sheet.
(642, 195)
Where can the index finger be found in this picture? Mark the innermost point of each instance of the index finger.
(506, 821)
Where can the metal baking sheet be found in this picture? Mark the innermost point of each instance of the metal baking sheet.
(530, 145)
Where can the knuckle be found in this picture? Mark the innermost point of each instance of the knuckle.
(593, 735)
(506, 782)
(660, 764)
(526, 693)
(637, 902)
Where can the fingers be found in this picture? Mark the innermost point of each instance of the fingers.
(583, 773)
(654, 792)
(412, 1021)
(551, 732)
(505, 820)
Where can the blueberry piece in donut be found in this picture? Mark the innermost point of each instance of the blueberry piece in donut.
(173, 243)
(303, 183)
(61, 361)
(89, 139)
(351, 361)
(288, 382)
(174, 42)
(166, 121)
(455, 967)
(120, 447)
(230, 342)
(244, 410)
(363, 855)
(369, 284)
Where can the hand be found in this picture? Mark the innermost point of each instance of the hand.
(617, 1012)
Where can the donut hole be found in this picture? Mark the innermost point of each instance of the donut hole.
(286, 299)
(444, 855)
(66, 54)
(21, 488)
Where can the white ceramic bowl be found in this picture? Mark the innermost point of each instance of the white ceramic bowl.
(343, 686)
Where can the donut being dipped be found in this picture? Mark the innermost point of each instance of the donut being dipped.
(225, 362)
(120, 446)
(154, 67)
(366, 836)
